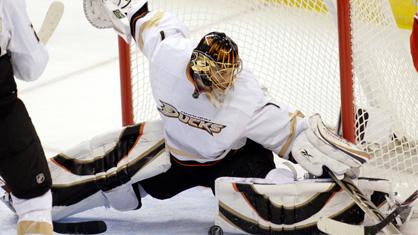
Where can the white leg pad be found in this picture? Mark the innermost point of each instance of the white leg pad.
(138, 153)
(122, 198)
(258, 206)
(93, 201)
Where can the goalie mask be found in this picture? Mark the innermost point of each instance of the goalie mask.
(215, 64)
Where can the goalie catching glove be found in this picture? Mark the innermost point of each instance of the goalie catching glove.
(113, 14)
(317, 147)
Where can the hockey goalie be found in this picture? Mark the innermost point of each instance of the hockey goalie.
(216, 122)
(115, 170)
(119, 168)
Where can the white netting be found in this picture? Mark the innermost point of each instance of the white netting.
(292, 47)
(386, 87)
(265, 33)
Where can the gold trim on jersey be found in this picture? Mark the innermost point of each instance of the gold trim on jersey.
(177, 152)
(291, 137)
(182, 153)
(154, 21)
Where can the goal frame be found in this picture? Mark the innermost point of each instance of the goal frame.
(346, 75)
(125, 83)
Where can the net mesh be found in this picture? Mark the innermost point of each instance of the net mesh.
(386, 88)
(292, 47)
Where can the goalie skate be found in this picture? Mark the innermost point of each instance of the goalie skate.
(7, 200)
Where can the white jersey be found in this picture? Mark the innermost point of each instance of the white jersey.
(17, 37)
(194, 128)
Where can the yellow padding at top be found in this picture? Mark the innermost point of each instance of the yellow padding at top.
(318, 6)
(404, 11)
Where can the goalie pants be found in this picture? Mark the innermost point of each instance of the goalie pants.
(252, 160)
(22, 161)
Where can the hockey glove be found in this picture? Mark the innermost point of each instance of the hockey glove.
(317, 146)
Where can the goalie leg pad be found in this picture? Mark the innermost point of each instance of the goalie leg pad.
(62, 211)
(262, 206)
(105, 168)
(124, 197)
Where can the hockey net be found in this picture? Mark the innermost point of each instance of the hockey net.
(292, 46)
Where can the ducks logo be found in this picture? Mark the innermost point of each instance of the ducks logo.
(196, 122)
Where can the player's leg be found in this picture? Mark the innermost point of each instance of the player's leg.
(178, 178)
(24, 168)
(252, 160)
(22, 161)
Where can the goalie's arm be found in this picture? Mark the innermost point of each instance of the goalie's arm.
(275, 126)
(149, 29)
(29, 57)
(312, 144)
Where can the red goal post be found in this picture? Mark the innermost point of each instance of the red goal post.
(125, 83)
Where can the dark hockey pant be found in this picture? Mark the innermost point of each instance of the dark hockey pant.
(22, 160)
(252, 160)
